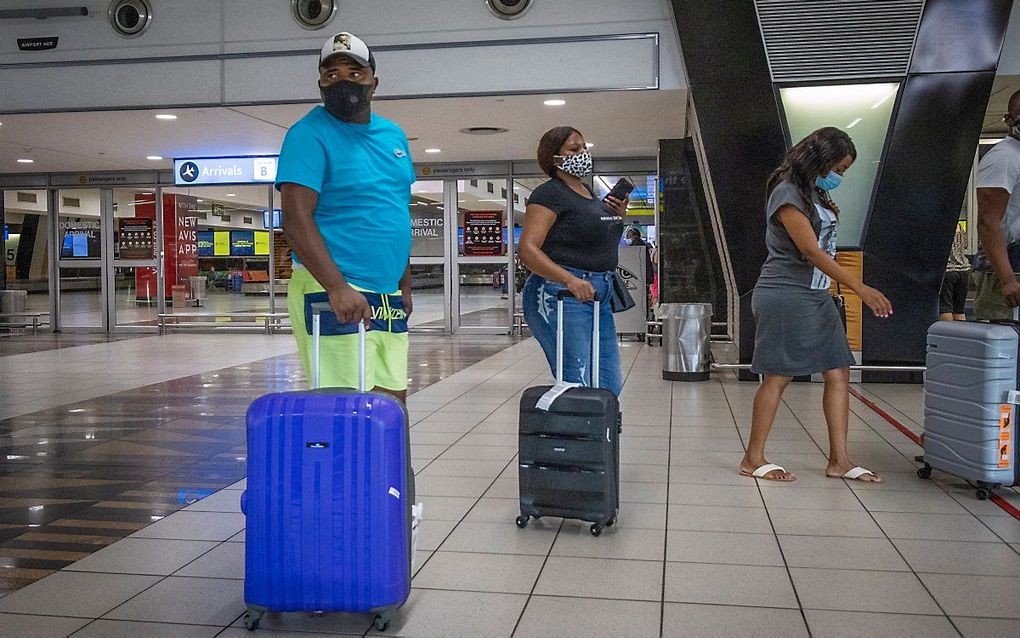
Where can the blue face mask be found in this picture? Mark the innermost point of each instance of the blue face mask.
(829, 182)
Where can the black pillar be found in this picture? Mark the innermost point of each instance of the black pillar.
(3, 245)
(740, 127)
(922, 182)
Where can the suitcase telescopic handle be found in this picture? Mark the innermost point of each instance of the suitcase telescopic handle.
(317, 309)
(595, 333)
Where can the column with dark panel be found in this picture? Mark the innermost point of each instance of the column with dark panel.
(925, 168)
(740, 129)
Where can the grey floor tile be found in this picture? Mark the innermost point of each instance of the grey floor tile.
(237, 538)
(848, 590)
(131, 629)
(825, 523)
(1006, 528)
(445, 508)
(746, 496)
(986, 627)
(25, 626)
(450, 486)
(823, 552)
(75, 594)
(723, 547)
(195, 526)
(601, 578)
(641, 516)
(956, 557)
(977, 596)
(494, 510)
(948, 527)
(913, 502)
(479, 453)
(455, 613)
(503, 488)
(826, 624)
(500, 573)
(708, 476)
(721, 621)
(575, 539)
(732, 445)
(196, 601)
(557, 617)
(500, 538)
(713, 518)
(431, 534)
(463, 468)
(811, 498)
(152, 556)
(638, 492)
(643, 473)
(744, 585)
(225, 561)
(223, 501)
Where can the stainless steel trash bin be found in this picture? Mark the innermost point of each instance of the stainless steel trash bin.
(197, 289)
(686, 341)
(12, 302)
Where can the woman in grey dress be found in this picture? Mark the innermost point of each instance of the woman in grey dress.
(798, 329)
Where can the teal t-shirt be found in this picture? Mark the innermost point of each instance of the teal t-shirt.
(363, 175)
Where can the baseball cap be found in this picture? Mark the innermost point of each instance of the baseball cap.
(350, 45)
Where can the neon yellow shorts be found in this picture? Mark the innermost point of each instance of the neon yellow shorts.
(385, 350)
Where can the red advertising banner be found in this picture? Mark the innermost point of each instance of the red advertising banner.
(483, 233)
(180, 243)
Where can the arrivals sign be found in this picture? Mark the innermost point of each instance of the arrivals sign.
(206, 171)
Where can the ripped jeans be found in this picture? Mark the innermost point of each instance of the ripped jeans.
(540, 313)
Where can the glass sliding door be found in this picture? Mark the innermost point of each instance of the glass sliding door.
(483, 278)
(78, 239)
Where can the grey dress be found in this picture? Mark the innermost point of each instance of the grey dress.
(798, 328)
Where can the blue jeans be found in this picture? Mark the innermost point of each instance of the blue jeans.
(540, 313)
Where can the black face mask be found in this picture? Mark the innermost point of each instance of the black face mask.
(349, 101)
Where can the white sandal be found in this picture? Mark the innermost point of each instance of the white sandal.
(855, 473)
(760, 473)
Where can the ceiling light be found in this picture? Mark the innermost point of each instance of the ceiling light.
(26, 161)
(433, 150)
(166, 116)
(554, 102)
(589, 144)
(231, 194)
(199, 200)
(987, 142)
(154, 158)
(855, 122)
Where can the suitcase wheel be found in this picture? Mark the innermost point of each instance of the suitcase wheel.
(252, 617)
(381, 622)
(522, 521)
(924, 472)
(982, 494)
(611, 522)
(596, 529)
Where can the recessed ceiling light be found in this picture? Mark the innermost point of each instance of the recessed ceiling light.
(166, 116)
(433, 150)
(26, 161)
(589, 144)
(554, 102)
(231, 194)
(200, 200)
(154, 157)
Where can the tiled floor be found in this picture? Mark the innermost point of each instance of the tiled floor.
(698, 550)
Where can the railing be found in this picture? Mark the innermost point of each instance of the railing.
(268, 321)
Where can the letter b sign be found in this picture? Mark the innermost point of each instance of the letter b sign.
(265, 169)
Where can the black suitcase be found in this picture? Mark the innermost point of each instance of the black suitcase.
(570, 449)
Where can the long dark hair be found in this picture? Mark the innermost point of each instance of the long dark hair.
(550, 144)
(811, 157)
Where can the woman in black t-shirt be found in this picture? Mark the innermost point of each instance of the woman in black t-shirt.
(570, 242)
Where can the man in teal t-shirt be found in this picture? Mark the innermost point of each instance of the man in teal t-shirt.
(345, 173)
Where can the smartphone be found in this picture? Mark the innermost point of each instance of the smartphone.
(620, 190)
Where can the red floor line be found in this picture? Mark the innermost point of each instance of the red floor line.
(1003, 504)
(882, 413)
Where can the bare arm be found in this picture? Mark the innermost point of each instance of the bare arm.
(537, 222)
(299, 203)
(405, 290)
(799, 228)
(991, 209)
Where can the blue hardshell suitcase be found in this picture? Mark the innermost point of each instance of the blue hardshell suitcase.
(970, 402)
(328, 503)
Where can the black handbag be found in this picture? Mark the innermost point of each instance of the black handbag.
(620, 299)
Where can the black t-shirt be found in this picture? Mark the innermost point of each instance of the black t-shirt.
(586, 233)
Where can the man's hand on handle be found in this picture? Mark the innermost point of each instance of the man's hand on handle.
(350, 305)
